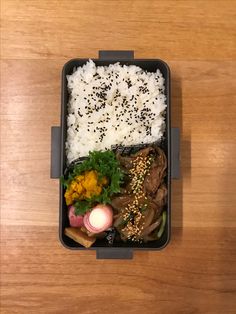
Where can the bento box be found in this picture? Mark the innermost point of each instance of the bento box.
(169, 144)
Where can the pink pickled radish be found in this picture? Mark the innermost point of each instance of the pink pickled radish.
(75, 221)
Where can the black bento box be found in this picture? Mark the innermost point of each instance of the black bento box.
(170, 145)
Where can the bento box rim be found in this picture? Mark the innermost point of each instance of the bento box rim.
(168, 117)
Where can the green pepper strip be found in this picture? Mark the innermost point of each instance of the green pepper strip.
(162, 227)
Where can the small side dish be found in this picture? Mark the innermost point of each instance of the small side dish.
(120, 194)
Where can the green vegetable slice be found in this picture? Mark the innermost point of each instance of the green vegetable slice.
(163, 224)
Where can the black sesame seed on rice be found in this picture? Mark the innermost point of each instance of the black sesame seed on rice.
(124, 108)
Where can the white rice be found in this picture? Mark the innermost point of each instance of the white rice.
(113, 105)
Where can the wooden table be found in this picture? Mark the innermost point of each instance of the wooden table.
(196, 273)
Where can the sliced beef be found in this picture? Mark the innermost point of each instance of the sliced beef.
(154, 194)
(157, 173)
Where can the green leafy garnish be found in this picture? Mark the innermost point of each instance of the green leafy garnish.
(64, 182)
(81, 207)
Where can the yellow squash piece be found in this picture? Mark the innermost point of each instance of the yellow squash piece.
(85, 186)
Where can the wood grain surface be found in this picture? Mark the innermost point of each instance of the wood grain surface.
(196, 272)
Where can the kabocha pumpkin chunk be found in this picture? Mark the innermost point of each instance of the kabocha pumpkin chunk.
(85, 186)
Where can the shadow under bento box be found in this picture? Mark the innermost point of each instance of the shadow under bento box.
(170, 145)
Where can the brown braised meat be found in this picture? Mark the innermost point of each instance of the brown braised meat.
(138, 210)
(156, 174)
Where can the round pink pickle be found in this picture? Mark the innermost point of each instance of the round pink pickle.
(75, 221)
